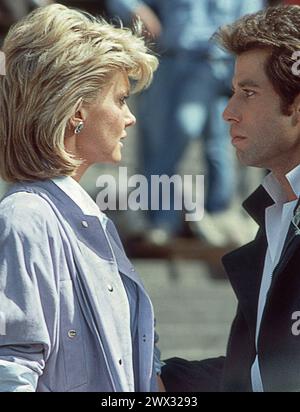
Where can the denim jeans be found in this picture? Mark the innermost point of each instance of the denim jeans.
(185, 102)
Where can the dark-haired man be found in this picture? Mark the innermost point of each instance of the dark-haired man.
(263, 352)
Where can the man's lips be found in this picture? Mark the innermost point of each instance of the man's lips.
(237, 139)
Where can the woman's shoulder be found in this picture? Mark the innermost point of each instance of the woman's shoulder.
(25, 212)
(24, 202)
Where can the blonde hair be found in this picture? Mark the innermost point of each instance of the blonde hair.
(54, 57)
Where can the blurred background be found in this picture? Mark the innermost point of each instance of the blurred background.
(180, 131)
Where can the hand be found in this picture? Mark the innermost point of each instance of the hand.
(39, 3)
(150, 20)
(160, 384)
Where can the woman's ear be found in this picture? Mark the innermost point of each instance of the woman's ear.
(79, 115)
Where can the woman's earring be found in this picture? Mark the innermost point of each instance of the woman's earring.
(79, 127)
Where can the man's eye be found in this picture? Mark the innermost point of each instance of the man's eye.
(248, 93)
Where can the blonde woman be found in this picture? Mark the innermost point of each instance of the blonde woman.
(74, 315)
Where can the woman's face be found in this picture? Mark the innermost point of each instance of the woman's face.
(105, 123)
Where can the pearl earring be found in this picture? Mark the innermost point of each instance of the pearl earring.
(79, 127)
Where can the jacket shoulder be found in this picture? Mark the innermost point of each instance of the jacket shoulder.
(26, 213)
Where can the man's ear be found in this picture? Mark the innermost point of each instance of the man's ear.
(79, 115)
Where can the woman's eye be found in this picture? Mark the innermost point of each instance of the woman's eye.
(123, 99)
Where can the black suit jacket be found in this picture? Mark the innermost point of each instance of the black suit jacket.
(278, 347)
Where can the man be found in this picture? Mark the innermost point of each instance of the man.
(263, 352)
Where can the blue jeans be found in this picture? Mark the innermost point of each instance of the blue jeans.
(185, 102)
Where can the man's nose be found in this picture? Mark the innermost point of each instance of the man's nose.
(230, 113)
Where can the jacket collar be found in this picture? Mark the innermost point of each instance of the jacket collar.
(256, 204)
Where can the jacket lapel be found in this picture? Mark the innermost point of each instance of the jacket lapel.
(291, 244)
(244, 266)
(91, 237)
(124, 264)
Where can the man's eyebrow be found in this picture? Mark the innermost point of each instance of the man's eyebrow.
(247, 83)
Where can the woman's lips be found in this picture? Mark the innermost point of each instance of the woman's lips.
(123, 137)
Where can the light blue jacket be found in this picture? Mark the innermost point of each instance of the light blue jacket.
(59, 315)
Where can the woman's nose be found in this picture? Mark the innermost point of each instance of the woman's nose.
(130, 119)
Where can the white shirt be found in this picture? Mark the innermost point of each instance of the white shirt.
(80, 197)
(277, 220)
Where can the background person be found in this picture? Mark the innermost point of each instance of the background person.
(12, 11)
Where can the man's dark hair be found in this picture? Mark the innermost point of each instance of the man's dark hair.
(276, 29)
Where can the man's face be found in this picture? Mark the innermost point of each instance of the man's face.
(261, 134)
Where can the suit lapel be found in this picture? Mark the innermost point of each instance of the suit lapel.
(244, 266)
(291, 244)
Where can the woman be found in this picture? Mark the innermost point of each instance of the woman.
(74, 314)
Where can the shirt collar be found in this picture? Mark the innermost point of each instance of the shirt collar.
(80, 197)
(272, 186)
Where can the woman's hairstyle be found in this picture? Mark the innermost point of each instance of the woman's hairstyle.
(55, 57)
(276, 29)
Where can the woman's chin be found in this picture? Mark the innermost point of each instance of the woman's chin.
(116, 158)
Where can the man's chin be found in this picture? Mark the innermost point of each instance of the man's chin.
(248, 161)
